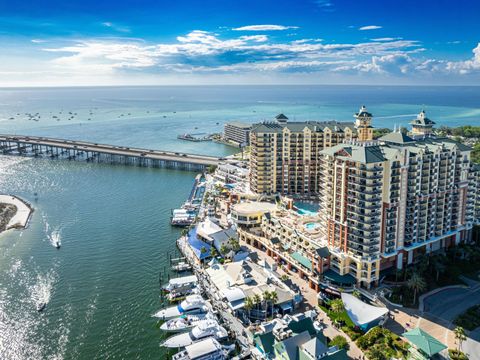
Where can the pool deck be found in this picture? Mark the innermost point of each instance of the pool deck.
(24, 211)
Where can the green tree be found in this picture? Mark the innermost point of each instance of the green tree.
(356, 293)
(223, 249)
(336, 305)
(266, 299)
(417, 284)
(273, 299)
(248, 305)
(184, 232)
(203, 250)
(213, 252)
(340, 342)
(257, 300)
(460, 336)
(438, 263)
(234, 244)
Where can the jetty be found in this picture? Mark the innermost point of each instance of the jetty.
(34, 146)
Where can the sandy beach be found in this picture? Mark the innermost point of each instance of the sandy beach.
(20, 219)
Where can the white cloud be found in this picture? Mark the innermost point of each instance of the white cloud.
(325, 5)
(386, 39)
(116, 27)
(468, 66)
(264, 28)
(369, 27)
(37, 41)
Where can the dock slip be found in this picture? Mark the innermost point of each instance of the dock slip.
(102, 153)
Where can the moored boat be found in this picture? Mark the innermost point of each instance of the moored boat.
(193, 304)
(208, 349)
(185, 282)
(184, 323)
(204, 329)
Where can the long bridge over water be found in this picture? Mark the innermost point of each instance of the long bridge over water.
(35, 146)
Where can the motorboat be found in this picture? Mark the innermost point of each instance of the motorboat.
(180, 294)
(185, 282)
(204, 329)
(185, 323)
(182, 266)
(193, 304)
(57, 244)
(41, 306)
(208, 349)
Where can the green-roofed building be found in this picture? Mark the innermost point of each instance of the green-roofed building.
(425, 343)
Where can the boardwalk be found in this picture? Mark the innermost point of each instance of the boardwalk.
(94, 152)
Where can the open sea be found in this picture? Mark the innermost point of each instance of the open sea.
(113, 222)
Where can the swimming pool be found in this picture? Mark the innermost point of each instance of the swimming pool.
(307, 208)
(311, 225)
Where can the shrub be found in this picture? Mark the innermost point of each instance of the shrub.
(340, 342)
(457, 354)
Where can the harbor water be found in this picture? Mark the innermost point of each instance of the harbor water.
(102, 285)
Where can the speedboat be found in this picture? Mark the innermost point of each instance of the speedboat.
(41, 306)
(208, 349)
(204, 329)
(193, 304)
(57, 244)
(180, 294)
(184, 323)
(186, 282)
(182, 266)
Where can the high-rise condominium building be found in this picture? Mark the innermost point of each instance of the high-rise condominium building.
(384, 203)
(285, 156)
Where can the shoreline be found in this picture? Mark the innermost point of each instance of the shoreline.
(22, 215)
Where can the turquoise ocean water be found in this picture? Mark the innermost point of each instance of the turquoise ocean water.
(113, 222)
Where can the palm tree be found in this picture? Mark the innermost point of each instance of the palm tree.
(234, 244)
(273, 299)
(203, 251)
(213, 252)
(439, 265)
(223, 249)
(257, 300)
(184, 232)
(356, 293)
(460, 336)
(417, 284)
(248, 305)
(336, 305)
(266, 298)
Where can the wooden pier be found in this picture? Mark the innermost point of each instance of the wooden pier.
(34, 146)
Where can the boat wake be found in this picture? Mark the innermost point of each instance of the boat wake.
(41, 291)
(54, 236)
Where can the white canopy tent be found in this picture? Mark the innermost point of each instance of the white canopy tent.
(361, 313)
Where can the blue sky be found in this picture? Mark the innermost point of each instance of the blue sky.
(53, 42)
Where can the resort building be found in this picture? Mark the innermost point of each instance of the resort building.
(285, 155)
(237, 132)
(234, 282)
(293, 338)
(382, 204)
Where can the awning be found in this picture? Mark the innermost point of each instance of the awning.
(424, 341)
(286, 306)
(233, 294)
(332, 276)
(301, 259)
(360, 312)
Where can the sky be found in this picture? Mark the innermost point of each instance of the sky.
(158, 42)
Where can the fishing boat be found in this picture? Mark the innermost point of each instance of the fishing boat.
(204, 329)
(180, 294)
(185, 282)
(182, 266)
(193, 304)
(184, 323)
(208, 349)
(41, 306)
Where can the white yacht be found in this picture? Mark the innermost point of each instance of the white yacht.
(180, 294)
(208, 349)
(188, 282)
(204, 329)
(193, 304)
(184, 323)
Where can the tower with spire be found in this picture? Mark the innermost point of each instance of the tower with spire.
(422, 126)
(363, 124)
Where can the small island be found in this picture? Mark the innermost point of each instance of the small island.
(14, 213)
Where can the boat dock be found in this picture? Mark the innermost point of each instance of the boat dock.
(187, 214)
(35, 146)
(195, 137)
